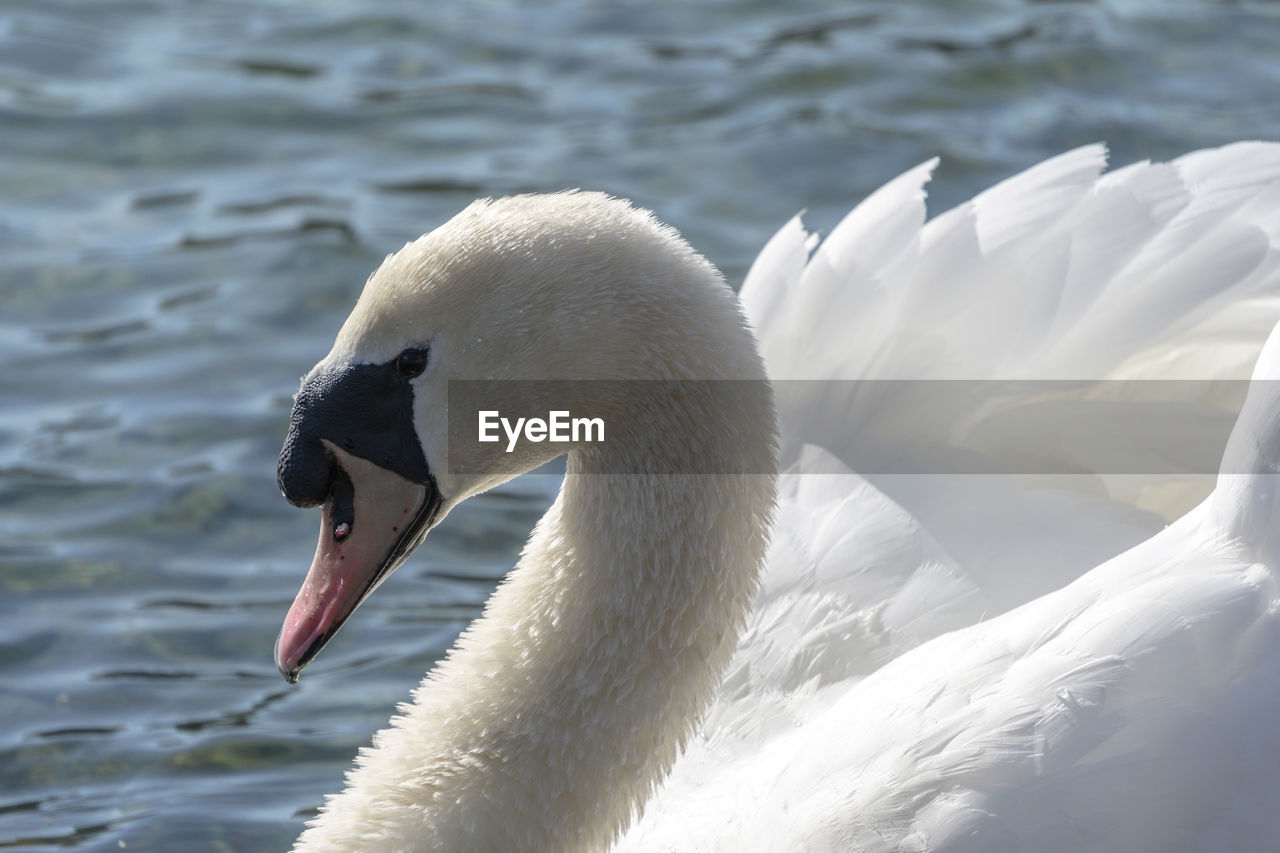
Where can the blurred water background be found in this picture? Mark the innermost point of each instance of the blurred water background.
(191, 196)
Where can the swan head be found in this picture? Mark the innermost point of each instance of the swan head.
(525, 297)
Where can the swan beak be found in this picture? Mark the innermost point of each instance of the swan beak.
(372, 519)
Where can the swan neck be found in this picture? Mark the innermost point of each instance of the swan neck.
(559, 711)
(648, 579)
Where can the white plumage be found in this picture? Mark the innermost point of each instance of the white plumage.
(1128, 710)
(881, 697)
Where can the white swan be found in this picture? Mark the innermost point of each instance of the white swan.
(1074, 719)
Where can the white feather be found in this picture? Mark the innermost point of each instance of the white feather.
(1129, 710)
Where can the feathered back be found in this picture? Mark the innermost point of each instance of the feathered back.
(1058, 272)
(1126, 709)
(908, 330)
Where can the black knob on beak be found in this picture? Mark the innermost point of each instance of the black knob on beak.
(365, 409)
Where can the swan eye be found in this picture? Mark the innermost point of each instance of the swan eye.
(411, 362)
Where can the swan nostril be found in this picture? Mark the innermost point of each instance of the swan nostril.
(343, 497)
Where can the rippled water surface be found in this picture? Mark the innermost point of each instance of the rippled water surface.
(192, 195)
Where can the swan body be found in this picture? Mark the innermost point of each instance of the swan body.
(658, 673)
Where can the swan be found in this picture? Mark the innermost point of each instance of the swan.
(659, 672)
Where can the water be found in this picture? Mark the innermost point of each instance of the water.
(193, 194)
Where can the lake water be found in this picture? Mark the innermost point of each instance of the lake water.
(192, 195)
